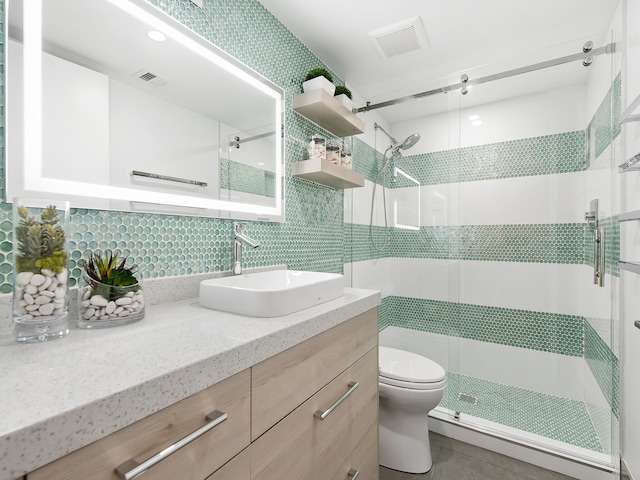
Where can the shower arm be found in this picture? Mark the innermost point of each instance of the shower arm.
(379, 127)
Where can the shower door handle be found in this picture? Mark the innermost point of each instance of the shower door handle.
(599, 257)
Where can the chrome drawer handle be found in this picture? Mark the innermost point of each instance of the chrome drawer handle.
(353, 474)
(132, 469)
(322, 415)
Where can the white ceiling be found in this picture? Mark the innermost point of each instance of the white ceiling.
(462, 34)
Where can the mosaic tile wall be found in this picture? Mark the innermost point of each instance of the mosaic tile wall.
(560, 153)
(164, 245)
(546, 332)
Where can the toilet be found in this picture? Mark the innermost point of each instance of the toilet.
(410, 387)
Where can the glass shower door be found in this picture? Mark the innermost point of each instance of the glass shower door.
(531, 335)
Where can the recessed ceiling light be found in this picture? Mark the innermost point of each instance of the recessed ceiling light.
(157, 36)
(261, 163)
(474, 117)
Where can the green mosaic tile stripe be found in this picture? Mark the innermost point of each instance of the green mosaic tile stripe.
(546, 332)
(552, 417)
(538, 243)
(545, 155)
(604, 124)
(604, 365)
(245, 178)
(385, 313)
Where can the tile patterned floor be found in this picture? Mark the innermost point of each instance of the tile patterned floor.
(546, 415)
(454, 460)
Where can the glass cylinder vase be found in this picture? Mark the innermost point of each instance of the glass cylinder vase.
(101, 305)
(41, 274)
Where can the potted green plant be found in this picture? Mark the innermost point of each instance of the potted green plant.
(110, 292)
(40, 293)
(344, 96)
(319, 78)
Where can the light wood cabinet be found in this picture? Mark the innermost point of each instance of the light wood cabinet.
(299, 444)
(271, 430)
(145, 438)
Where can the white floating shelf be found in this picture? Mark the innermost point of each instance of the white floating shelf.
(326, 173)
(323, 109)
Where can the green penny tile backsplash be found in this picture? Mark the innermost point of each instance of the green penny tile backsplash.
(547, 332)
(549, 154)
(552, 417)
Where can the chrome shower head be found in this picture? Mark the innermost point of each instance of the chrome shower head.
(409, 142)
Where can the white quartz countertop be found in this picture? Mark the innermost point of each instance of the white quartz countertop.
(61, 395)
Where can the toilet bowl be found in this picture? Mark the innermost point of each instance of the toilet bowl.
(410, 387)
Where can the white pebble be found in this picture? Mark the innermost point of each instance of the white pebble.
(85, 303)
(27, 317)
(53, 287)
(60, 292)
(86, 294)
(99, 301)
(31, 289)
(31, 308)
(134, 305)
(28, 298)
(46, 309)
(110, 308)
(45, 285)
(123, 301)
(41, 300)
(47, 273)
(129, 294)
(118, 310)
(37, 280)
(23, 278)
(88, 314)
(62, 276)
(124, 313)
(47, 293)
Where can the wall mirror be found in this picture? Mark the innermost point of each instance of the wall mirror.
(114, 105)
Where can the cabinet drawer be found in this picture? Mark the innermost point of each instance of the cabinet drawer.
(284, 381)
(145, 438)
(238, 468)
(303, 446)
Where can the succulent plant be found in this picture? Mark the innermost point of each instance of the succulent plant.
(41, 243)
(319, 72)
(341, 89)
(108, 269)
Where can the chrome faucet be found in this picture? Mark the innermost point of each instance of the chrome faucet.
(239, 239)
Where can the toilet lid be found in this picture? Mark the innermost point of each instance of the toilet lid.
(408, 367)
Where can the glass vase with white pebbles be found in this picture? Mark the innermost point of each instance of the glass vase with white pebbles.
(40, 283)
(109, 292)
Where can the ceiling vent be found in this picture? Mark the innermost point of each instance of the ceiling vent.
(150, 77)
(400, 38)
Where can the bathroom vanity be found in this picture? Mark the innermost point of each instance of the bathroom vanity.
(270, 398)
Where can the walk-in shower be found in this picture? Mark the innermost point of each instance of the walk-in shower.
(395, 154)
(496, 282)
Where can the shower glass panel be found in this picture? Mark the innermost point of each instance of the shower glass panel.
(532, 356)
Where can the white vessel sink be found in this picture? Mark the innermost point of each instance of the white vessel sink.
(270, 294)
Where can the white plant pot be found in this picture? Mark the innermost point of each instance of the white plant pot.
(318, 83)
(345, 101)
